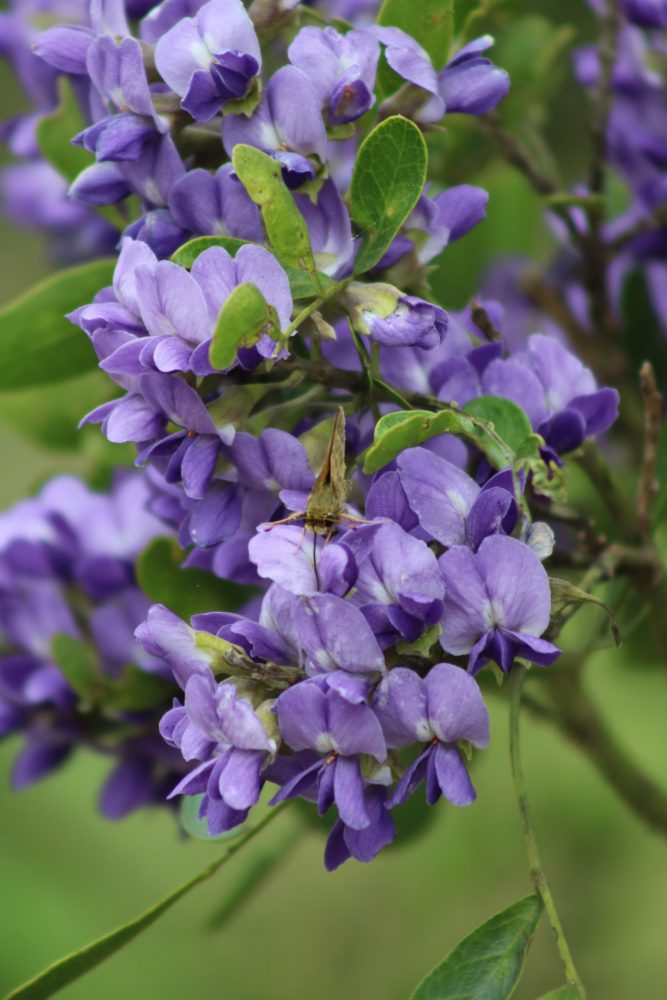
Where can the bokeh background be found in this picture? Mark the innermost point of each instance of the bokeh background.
(372, 931)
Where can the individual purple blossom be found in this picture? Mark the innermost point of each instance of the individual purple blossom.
(468, 84)
(341, 69)
(449, 505)
(302, 562)
(339, 643)
(436, 222)
(211, 58)
(398, 585)
(220, 728)
(497, 604)
(329, 229)
(312, 717)
(217, 204)
(287, 125)
(388, 317)
(438, 710)
(556, 390)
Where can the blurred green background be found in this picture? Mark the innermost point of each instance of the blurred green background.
(372, 931)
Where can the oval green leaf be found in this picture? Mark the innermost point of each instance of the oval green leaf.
(286, 228)
(389, 175)
(407, 428)
(245, 315)
(38, 345)
(487, 963)
(509, 420)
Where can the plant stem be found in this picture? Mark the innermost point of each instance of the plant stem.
(314, 306)
(537, 874)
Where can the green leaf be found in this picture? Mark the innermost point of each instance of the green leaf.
(70, 968)
(187, 254)
(245, 315)
(77, 663)
(406, 428)
(389, 175)
(37, 344)
(430, 22)
(487, 963)
(286, 228)
(510, 421)
(55, 132)
(185, 591)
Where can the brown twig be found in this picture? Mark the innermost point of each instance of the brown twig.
(648, 486)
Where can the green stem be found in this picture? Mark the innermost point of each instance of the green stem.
(537, 874)
(313, 306)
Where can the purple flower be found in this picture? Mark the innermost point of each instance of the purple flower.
(439, 710)
(470, 84)
(383, 313)
(329, 229)
(556, 390)
(287, 124)
(300, 562)
(450, 505)
(497, 604)
(341, 69)
(211, 58)
(398, 585)
(221, 729)
(345, 841)
(321, 720)
(216, 205)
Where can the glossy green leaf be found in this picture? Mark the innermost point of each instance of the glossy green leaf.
(407, 428)
(510, 421)
(389, 176)
(77, 663)
(185, 591)
(70, 968)
(430, 22)
(487, 963)
(37, 344)
(286, 228)
(55, 132)
(245, 315)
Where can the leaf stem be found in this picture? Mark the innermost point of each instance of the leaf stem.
(313, 306)
(537, 874)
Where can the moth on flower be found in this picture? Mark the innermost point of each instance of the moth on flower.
(325, 506)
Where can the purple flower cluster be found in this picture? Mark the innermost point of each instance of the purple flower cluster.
(67, 570)
(350, 678)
